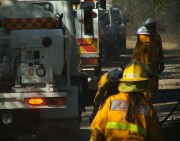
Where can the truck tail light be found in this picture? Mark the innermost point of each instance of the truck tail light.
(90, 61)
(51, 101)
(35, 101)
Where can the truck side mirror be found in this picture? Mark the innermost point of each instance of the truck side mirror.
(59, 16)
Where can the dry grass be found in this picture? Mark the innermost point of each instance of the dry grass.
(169, 43)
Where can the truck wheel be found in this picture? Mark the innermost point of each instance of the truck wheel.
(103, 56)
(122, 44)
(82, 84)
(116, 54)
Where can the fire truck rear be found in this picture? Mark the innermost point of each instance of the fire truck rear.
(100, 33)
(87, 34)
(41, 87)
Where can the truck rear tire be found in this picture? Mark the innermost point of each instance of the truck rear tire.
(122, 44)
(103, 55)
(82, 84)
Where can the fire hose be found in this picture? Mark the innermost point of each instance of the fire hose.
(171, 112)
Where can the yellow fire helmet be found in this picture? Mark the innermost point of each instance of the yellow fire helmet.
(136, 71)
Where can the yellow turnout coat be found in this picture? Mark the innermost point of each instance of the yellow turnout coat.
(110, 123)
(149, 50)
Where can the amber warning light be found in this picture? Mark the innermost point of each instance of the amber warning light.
(58, 101)
(35, 101)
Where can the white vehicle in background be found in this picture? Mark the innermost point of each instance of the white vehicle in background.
(100, 33)
(113, 26)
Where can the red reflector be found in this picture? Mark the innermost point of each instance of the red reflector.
(36, 101)
(90, 61)
(62, 101)
(94, 14)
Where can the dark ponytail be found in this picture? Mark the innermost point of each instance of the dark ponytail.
(133, 106)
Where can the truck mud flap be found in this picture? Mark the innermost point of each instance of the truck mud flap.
(58, 130)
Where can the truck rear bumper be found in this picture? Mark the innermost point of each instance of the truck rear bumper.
(20, 101)
(47, 122)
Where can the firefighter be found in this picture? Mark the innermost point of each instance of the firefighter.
(149, 51)
(158, 65)
(128, 115)
(108, 85)
(143, 51)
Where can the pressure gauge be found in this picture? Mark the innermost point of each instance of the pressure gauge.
(41, 71)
